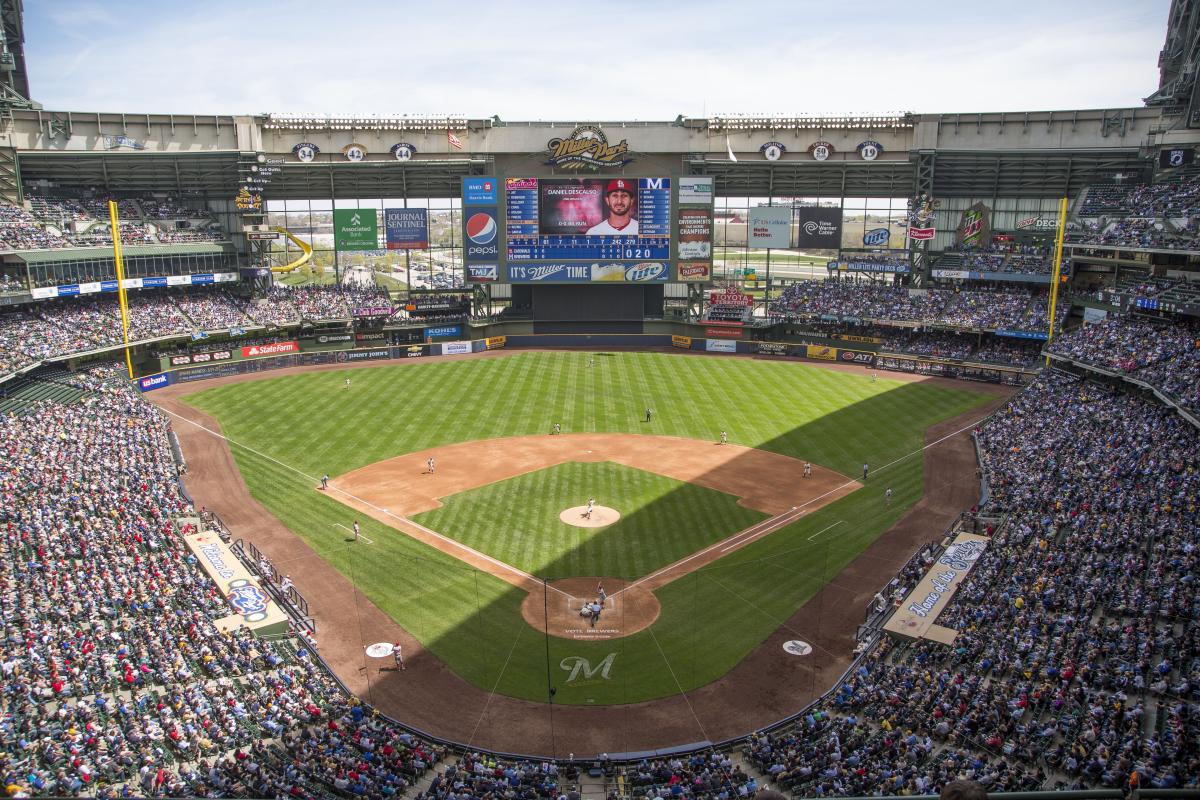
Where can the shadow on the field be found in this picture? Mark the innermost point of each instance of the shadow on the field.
(801, 591)
(804, 587)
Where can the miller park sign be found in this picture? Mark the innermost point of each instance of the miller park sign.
(587, 148)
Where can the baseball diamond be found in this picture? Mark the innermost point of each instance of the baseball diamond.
(460, 573)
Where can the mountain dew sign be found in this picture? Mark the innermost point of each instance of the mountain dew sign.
(355, 229)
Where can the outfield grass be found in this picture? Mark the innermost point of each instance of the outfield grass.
(662, 520)
(310, 424)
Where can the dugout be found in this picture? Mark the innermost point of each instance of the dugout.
(591, 308)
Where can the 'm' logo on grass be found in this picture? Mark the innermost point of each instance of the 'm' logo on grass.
(575, 665)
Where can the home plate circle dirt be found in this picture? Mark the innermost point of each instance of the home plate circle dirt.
(600, 516)
(628, 608)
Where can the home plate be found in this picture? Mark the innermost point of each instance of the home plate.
(601, 516)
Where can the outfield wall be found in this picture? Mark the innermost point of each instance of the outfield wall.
(237, 361)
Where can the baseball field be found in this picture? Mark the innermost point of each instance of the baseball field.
(486, 560)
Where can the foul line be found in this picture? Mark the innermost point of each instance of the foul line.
(368, 504)
(793, 514)
(360, 536)
(827, 527)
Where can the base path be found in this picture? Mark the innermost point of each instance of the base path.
(767, 685)
(766, 482)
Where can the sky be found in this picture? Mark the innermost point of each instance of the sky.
(576, 61)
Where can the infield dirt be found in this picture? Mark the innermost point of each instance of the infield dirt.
(767, 685)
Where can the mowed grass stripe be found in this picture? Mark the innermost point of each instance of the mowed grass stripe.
(710, 619)
(517, 520)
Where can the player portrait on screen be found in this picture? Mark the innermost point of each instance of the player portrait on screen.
(620, 198)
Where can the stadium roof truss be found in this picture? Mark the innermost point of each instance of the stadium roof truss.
(959, 173)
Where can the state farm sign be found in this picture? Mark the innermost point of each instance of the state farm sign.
(276, 349)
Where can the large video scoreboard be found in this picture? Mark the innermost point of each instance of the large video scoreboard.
(585, 229)
(587, 219)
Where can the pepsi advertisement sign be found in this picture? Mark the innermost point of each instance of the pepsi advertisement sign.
(444, 332)
(479, 191)
(481, 234)
(152, 382)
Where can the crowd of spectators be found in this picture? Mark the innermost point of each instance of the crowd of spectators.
(859, 299)
(1162, 353)
(977, 308)
(1074, 665)
(212, 310)
(112, 670)
(1075, 661)
(65, 222)
(286, 305)
(1013, 258)
(1161, 215)
(190, 235)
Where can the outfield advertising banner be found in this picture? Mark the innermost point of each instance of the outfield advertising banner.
(772, 348)
(481, 234)
(456, 348)
(720, 346)
(443, 332)
(770, 227)
(696, 191)
(152, 382)
(821, 352)
(495, 342)
(613, 272)
(406, 228)
(274, 349)
(695, 233)
(480, 192)
(819, 227)
(682, 342)
(694, 271)
(974, 227)
(355, 229)
(483, 273)
(856, 356)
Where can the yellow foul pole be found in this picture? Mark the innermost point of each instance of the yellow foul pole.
(1055, 275)
(121, 299)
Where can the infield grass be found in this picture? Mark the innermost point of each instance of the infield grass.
(301, 426)
(517, 520)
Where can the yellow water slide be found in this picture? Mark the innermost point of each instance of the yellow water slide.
(306, 252)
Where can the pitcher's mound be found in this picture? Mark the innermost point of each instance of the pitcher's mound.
(601, 516)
